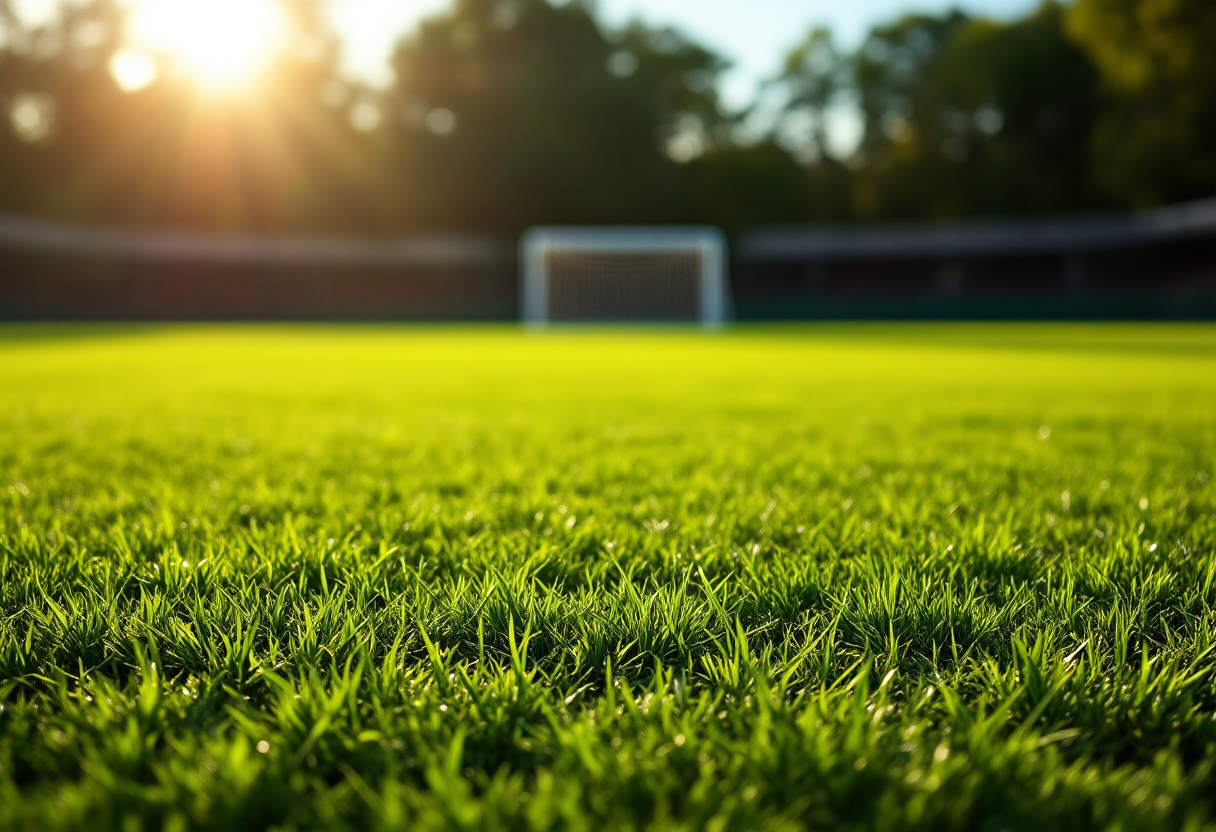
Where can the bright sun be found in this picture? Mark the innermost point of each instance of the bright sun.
(222, 43)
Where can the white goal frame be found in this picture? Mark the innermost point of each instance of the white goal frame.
(708, 242)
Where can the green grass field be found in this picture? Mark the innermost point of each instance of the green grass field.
(850, 577)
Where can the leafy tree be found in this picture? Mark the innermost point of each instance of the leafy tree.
(971, 116)
(1157, 140)
(1021, 103)
(815, 76)
(739, 186)
(902, 171)
(507, 113)
(78, 146)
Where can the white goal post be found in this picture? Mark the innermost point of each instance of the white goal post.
(628, 275)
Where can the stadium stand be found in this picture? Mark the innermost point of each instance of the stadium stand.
(59, 272)
(1158, 264)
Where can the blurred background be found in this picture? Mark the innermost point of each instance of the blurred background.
(377, 159)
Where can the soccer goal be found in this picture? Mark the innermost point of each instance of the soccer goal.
(640, 275)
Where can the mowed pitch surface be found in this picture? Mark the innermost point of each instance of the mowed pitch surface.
(846, 577)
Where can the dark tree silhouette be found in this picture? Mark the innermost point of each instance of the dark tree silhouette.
(507, 113)
(1156, 141)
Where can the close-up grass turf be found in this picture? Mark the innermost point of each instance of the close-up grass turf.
(842, 577)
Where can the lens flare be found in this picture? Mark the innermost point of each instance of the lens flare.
(222, 43)
(133, 69)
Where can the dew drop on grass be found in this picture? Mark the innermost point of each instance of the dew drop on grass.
(1144, 503)
(263, 747)
(1044, 433)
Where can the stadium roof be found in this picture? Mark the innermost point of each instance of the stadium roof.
(441, 249)
(979, 238)
(872, 242)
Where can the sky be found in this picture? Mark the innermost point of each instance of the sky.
(757, 34)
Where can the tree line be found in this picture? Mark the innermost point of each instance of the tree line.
(507, 113)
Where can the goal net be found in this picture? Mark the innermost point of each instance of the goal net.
(590, 275)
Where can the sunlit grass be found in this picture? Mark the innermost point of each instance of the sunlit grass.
(845, 577)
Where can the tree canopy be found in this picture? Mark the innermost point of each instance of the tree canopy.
(1156, 139)
(506, 113)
